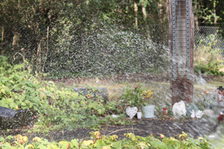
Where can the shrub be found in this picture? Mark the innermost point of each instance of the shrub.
(136, 96)
(208, 57)
(57, 107)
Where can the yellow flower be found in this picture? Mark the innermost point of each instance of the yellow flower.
(147, 94)
(52, 146)
(173, 139)
(29, 146)
(129, 135)
(64, 144)
(89, 96)
(114, 137)
(183, 135)
(21, 139)
(143, 145)
(96, 134)
(36, 139)
(87, 143)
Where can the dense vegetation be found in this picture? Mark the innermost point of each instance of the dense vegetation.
(91, 37)
(57, 107)
(77, 36)
(108, 142)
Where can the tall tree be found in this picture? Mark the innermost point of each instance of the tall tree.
(181, 46)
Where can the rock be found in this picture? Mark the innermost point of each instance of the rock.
(10, 118)
(93, 93)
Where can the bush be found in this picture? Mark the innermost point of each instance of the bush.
(108, 142)
(57, 107)
(208, 57)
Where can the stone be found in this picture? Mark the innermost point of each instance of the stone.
(93, 93)
(10, 118)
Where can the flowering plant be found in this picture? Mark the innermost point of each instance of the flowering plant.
(137, 96)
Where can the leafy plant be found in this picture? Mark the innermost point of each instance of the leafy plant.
(137, 96)
(57, 107)
(208, 57)
(108, 142)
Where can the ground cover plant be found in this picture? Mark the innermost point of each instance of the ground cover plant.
(62, 108)
(97, 141)
(56, 107)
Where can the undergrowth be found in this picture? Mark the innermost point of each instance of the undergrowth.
(57, 107)
(108, 142)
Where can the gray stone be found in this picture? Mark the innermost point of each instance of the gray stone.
(10, 118)
(94, 92)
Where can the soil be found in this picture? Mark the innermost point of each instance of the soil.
(144, 127)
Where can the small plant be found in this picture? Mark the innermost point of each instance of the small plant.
(137, 97)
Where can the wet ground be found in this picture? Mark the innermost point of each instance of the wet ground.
(143, 127)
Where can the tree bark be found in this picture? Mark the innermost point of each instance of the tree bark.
(181, 40)
(136, 13)
(16, 39)
(144, 12)
(3, 33)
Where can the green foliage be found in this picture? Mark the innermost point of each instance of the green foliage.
(57, 107)
(107, 142)
(209, 58)
(73, 36)
(136, 97)
(133, 97)
(210, 69)
(209, 12)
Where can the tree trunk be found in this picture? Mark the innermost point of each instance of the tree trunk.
(196, 22)
(144, 12)
(39, 57)
(181, 42)
(16, 39)
(136, 13)
(3, 33)
(47, 46)
(214, 12)
(163, 10)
